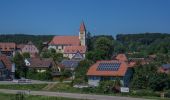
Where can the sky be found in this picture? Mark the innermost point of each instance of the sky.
(63, 17)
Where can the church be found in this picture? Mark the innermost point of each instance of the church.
(73, 47)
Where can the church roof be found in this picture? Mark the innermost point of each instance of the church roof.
(75, 49)
(65, 40)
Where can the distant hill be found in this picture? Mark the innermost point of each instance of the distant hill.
(144, 38)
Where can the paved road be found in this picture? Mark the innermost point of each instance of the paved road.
(71, 95)
(32, 82)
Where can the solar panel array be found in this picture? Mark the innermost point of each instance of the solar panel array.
(108, 66)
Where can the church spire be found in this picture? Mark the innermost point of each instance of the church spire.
(82, 34)
(82, 27)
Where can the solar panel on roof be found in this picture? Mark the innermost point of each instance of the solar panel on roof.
(108, 66)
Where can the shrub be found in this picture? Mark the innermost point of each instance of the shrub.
(144, 93)
(167, 94)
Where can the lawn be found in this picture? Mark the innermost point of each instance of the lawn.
(30, 97)
(23, 86)
(66, 87)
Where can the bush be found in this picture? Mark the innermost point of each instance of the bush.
(33, 74)
(167, 94)
(144, 93)
(109, 86)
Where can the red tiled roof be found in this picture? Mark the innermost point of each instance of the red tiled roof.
(82, 27)
(120, 72)
(121, 57)
(75, 49)
(20, 46)
(6, 61)
(40, 62)
(4, 46)
(65, 40)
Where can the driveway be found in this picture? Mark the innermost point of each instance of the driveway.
(72, 95)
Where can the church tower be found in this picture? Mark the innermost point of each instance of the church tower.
(82, 34)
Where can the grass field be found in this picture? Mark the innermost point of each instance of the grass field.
(29, 97)
(23, 86)
(64, 87)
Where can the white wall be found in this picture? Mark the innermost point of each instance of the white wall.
(93, 82)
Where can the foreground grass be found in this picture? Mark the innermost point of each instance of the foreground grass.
(66, 87)
(23, 86)
(30, 97)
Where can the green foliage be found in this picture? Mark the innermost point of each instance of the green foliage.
(96, 55)
(21, 69)
(102, 49)
(147, 77)
(104, 44)
(23, 86)
(159, 82)
(31, 97)
(33, 74)
(109, 86)
(142, 76)
(66, 73)
(53, 54)
(144, 92)
(26, 55)
(82, 68)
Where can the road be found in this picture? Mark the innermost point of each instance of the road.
(32, 82)
(72, 95)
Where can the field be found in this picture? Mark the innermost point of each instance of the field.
(29, 97)
(23, 86)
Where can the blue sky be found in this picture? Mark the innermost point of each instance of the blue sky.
(63, 17)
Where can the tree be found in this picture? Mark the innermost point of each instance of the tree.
(89, 41)
(21, 69)
(96, 55)
(159, 82)
(82, 68)
(26, 55)
(142, 75)
(104, 44)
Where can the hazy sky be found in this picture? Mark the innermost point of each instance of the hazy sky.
(63, 17)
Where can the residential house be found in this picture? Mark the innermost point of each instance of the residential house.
(39, 64)
(70, 64)
(132, 61)
(109, 70)
(7, 48)
(75, 52)
(121, 58)
(69, 45)
(165, 68)
(7, 69)
(28, 48)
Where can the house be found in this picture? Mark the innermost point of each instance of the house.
(7, 69)
(75, 52)
(70, 64)
(121, 57)
(28, 48)
(165, 68)
(70, 45)
(132, 61)
(7, 48)
(3, 71)
(39, 64)
(109, 70)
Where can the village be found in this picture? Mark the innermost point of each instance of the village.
(69, 59)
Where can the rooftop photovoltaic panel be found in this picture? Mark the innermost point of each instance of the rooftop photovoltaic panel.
(108, 66)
